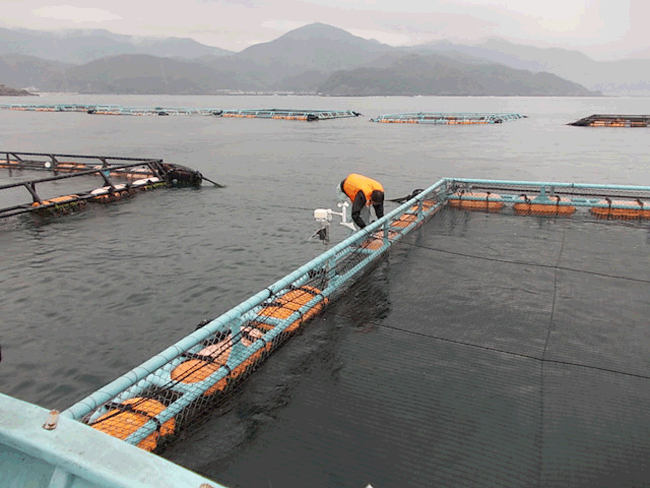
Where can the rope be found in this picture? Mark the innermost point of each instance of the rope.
(407, 197)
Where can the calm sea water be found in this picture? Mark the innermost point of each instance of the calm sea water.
(87, 297)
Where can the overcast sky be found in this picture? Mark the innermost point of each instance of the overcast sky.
(604, 29)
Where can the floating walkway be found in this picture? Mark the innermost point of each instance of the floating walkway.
(447, 118)
(597, 120)
(289, 114)
(78, 180)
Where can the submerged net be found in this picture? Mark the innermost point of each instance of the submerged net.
(490, 350)
(532, 349)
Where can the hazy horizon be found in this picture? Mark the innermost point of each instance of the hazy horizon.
(602, 29)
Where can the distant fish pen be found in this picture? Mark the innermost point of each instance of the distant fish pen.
(79, 179)
(447, 118)
(272, 113)
(289, 114)
(96, 109)
(600, 120)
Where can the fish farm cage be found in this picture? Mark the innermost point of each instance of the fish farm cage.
(110, 109)
(81, 179)
(289, 114)
(447, 118)
(272, 113)
(516, 351)
(597, 120)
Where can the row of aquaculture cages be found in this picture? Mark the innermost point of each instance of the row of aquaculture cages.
(434, 118)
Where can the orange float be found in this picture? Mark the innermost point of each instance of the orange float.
(250, 335)
(61, 200)
(132, 414)
(490, 202)
(209, 359)
(426, 205)
(286, 305)
(376, 241)
(548, 206)
(70, 167)
(631, 209)
(107, 195)
(207, 362)
(404, 221)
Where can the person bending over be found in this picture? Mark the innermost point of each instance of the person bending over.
(363, 192)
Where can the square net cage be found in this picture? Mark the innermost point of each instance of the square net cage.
(503, 343)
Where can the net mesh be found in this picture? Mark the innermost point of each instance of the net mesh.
(492, 349)
(514, 352)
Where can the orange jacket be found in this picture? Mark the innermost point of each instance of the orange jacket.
(355, 183)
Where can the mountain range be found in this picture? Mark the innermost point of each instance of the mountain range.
(314, 59)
